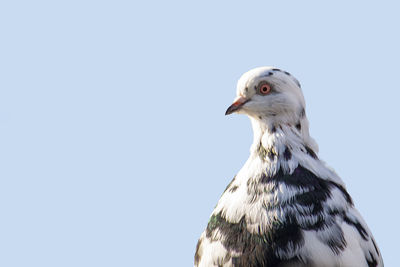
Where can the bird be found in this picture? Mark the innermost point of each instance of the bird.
(285, 207)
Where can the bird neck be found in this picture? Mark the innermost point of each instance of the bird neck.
(282, 144)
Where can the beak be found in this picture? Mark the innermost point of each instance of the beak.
(237, 104)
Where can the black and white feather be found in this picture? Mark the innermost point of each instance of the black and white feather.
(285, 207)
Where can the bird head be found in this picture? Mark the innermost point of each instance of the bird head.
(268, 93)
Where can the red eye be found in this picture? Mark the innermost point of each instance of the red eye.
(265, 88)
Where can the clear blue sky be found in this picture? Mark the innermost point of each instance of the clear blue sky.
(114, 147)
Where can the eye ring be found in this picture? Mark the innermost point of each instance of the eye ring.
(264, 88)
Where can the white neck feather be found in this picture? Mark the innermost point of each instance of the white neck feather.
(291, 145)
(282, 133)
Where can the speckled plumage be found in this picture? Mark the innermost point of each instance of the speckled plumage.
(285, 207)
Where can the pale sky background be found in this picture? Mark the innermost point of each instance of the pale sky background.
(114, 147)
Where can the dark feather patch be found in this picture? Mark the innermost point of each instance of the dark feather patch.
(313, 193)
(229, 185)
(256, 249)
(233, 189)
(311, 152)
(344, 192)
(287, 154)
(268, 74)
(285, 235)
(372, 262)
(297, 82)
(263, 153)
(303, 178)
(376, 248)
(302, 113)
(361, 230)
(197, 255)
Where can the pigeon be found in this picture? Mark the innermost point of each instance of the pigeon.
(285, 207)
